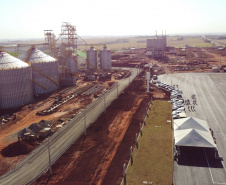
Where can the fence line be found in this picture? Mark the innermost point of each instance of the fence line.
(93, 111)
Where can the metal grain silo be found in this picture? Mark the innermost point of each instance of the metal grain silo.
(15, 82)
(91, 60)
(71, 64)
(105, 59)
(44, 71)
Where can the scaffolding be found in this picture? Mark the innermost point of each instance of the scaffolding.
(50, 38)
(68, 50)
(69, 36)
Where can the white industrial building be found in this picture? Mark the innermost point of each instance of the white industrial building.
(156, 46)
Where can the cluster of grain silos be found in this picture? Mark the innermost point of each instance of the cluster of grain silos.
(92, 60)
(44, 71)
(15, 82)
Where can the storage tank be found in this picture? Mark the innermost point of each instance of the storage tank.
(71, 64)
(44, 71)
(91, 60)
(105, 59)
(15, 82)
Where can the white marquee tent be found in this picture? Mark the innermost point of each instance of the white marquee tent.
(192, 132)
(190, 122)
(194, 138)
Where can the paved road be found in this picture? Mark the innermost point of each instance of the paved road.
(37, 162)
(210, 90)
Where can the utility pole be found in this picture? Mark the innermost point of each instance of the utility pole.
(50, 167)
(117, 90)
(85, 120)
(104, 104)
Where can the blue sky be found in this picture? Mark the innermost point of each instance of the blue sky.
(28, 18)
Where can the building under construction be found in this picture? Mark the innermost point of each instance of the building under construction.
(156, 46)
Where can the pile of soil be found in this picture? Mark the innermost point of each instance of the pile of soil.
(17, 148)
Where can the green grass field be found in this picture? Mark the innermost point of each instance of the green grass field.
(191, 41)
(223, 41)
(81, 54)
(152, 161)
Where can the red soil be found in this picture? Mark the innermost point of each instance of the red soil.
(98, 157)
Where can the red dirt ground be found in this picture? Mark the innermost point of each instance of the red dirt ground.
(26, 116)
(98, 157)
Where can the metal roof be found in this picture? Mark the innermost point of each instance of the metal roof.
(9, 62)
(37, 56)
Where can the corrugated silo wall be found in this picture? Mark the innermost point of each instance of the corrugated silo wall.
(51, 70)
(92, 59)
(15, 87)
(105, 60)
(72, 65)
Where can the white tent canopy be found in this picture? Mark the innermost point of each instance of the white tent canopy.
(193, 137)
(192, 132)
(190, 123)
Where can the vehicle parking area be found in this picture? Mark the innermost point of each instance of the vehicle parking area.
(204, 98)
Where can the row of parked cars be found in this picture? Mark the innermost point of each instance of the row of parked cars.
(177, 104)
(165, 86)
(176, 100)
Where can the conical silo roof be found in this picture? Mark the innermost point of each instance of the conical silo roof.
(9, 62)
(36, 56)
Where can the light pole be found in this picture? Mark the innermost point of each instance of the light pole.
(117, 90)
(85, 120)
(104, 104)
(50, 167)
